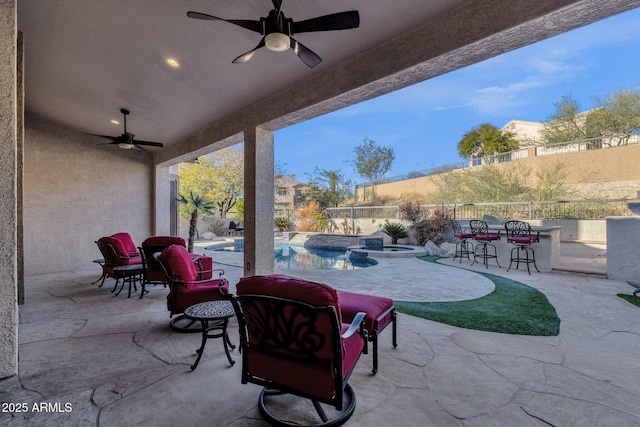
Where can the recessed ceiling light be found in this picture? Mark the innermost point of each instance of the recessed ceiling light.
(173, 62)
(115, 122)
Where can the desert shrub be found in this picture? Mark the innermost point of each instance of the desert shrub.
(311, 218)
(428, 225)
(215, 224)
(282, 223)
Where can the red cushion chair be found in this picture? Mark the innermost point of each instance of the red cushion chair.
(484, 248)
(185, 287)
(379, 311)
(293, 341)
(152, 271)
(114, 255)
(129, 247)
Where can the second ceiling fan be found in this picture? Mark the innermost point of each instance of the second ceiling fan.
(277, 31)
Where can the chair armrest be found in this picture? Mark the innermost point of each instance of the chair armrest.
(356, 324)
(201, 272)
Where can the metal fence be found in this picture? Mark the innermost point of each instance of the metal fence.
(571, 209)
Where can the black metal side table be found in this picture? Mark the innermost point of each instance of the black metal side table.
(214, 316)
(129, 274)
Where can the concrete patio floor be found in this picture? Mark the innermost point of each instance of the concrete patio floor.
(103, 360)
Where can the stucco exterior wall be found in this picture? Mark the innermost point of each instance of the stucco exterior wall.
(8, 190)
(606, 173)
(76, 190)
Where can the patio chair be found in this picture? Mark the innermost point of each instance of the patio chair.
(115, 255)
(129, 247)
(234, 229)
(519, 233)
(380, 312)
(293, 342)
(463, 246)
(185, 286)
(484, 248)
(152, 271)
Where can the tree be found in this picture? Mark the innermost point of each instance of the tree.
(566, 124)
(328, 187)
(218, 177)
(195, 203)
(618, 113)
(486, 140)
(373, 161)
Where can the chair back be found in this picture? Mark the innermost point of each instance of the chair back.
(152, 245)
(478, 227)
(290, 337)
(115, 252)
(109, 252)
(127, 242)
(185, 288)
(519, 232)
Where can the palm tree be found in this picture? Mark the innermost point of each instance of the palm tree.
(395, 231)
(197, 203)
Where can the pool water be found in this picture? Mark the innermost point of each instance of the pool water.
(301, 258)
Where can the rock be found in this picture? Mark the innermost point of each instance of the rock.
(207, 235)
(431, 248)
(448, 249)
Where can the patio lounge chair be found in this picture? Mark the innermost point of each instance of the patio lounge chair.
(152, 271)
(186, 287)
(293, 342)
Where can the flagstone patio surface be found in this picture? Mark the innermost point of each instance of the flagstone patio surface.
(94, 359)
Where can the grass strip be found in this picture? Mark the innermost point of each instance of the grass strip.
(630, 298)
(512, 308)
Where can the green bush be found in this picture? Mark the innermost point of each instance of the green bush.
(395, 231)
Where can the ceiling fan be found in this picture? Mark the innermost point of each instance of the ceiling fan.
(126, 141)
(277, 31)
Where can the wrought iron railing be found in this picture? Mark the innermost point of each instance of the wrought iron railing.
(547, 210)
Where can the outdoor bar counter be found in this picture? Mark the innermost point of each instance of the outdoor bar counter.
(547, 250)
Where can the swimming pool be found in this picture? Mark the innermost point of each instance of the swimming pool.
(304, 258)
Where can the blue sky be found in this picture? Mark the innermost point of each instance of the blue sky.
(424, 122)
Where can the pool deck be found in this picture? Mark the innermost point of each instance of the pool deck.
(116, 362)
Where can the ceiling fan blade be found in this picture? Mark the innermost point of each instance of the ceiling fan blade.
(244, 23)
(335, 21)
(149, 143)
(305, 54)
(137, 147)
(247, 56)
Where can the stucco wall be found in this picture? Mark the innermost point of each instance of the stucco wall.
(606, 173)
(76, 190)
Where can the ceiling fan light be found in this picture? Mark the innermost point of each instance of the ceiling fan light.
(277, 42)
(125, 146)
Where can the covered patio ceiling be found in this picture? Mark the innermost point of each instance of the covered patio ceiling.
(87, 59)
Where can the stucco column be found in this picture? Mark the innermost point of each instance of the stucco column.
(258, 202)
(8, 190)
(162, 202)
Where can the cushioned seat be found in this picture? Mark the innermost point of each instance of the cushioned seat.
(484, 248)
(519, 233)
(185, 287)
(115, 255)
(463, 246)
(153, 274)
(293, 341)
(379, 311)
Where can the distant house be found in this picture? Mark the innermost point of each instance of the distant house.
(288, 191)
(524, 131)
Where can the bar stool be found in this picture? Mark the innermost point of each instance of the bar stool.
(519, 233)
(463, 247)
(480, 231)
